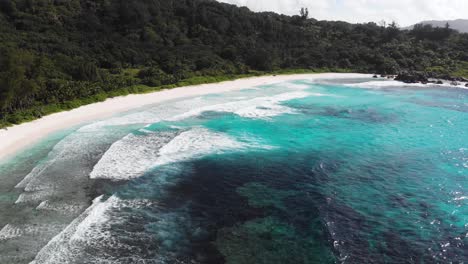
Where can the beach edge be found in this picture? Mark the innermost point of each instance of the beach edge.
(16, 138)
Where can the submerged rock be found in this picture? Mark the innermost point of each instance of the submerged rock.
(261, 196)
(270, 240)
(466, 85)
(455, 83)
(439, 82)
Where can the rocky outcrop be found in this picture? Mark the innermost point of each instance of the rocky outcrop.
(412, 77)
(431, 77)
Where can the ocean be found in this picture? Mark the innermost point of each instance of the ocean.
(348, 171)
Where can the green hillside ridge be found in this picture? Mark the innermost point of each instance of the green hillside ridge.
(59, 54)
(457, 24)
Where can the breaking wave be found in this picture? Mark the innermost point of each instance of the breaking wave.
(260, 107)
(135, 154)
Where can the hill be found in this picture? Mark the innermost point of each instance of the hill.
(59, 54)
(459, 24)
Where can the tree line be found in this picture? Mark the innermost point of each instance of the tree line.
(53, 52)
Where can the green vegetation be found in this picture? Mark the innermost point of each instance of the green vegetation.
(461, 70)
(455, 69)
(57, 55)
(35, 111)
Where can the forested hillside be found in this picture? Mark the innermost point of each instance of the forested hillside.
(57, 54)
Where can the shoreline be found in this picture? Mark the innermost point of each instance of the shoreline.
(16, 138)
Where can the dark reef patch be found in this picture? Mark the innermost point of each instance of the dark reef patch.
(256, 197)
(460, 107)
(366, 115)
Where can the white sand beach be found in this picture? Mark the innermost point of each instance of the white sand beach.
(16, 138)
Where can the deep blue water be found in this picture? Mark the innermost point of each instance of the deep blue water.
(296, 172)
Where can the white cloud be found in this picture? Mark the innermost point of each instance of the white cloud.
(404, 12)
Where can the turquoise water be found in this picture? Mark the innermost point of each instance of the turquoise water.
(297, 172)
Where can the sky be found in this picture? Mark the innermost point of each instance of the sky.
(404, 12)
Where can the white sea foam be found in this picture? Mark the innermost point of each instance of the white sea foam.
(260, 107)
(12, 231)
(61, 207)
(75, 152)
(145, 117)
(34, 183)
(9, 232)
(195, 143)
(136, 154)
(296, 86)
(124, 158)
(73, 147)
(91, 230)
(131, 156)
(96, 235)
(149, 116)
(58, 250)
(33, 197)
(35, 171)
(66, 167)
(66, 148)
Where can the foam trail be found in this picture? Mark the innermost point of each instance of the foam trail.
(56, 251)
(66, 164)
(60, 207)
(132, 156)
(89, 235)
(293, 86)
(63, 168)
(11, 231)
(145, 117)
(195, 143)
(56, 190)
(260, 107)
